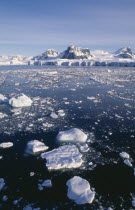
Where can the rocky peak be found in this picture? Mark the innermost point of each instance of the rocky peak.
(74, 52)
(50, 53)
(125, 52)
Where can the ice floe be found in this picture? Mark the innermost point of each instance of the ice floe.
(79, 190)
(6, 145)
(74, 134)
(20, 100)
(67, 156)
(35, 146)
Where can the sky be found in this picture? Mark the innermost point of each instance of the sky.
(30, 27)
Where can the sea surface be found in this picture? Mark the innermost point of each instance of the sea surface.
(98, 100)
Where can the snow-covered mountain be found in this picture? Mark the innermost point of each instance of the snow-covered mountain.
(74, 56)
(14, 60)
(74, 52)
(125, 52)
(50, 53)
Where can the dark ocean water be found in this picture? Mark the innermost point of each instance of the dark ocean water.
(98, 100)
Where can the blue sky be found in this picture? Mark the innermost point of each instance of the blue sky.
(30, 27)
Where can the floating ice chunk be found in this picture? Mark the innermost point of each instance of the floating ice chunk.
(4, 198)
(67, 156)
(54, 115)
(3, 99)
(79, 190)
(61, 113)
(40, 187)
(73, 134)
(124, 155)
(128, 163)
(35, 146)
(20, 101)
(2, 183)
(2, 115)
(15, 202)
(47, 183)
(90, 163)
(6, 145)
(91, 98)
(32, 173)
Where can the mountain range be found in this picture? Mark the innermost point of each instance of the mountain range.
(73, 56)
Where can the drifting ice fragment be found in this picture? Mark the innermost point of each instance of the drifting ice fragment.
(35, 146)
(3, 99)
(20, 101)
(61, 113)
(2, 115)
(128, 163)
(47, 183)
(6, 145)
(124, 155)
(54, 115)
(73, 134)
(67, 156)
(2, 183)
(79, 190)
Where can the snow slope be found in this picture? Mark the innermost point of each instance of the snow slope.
(14, 60)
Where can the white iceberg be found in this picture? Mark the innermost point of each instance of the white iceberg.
(2, 183)
(79, 190)
(74, 134)
(6, 145)
(3, 99)
(35, 146)
(20, 100)
(124, 155)
(67, 156)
